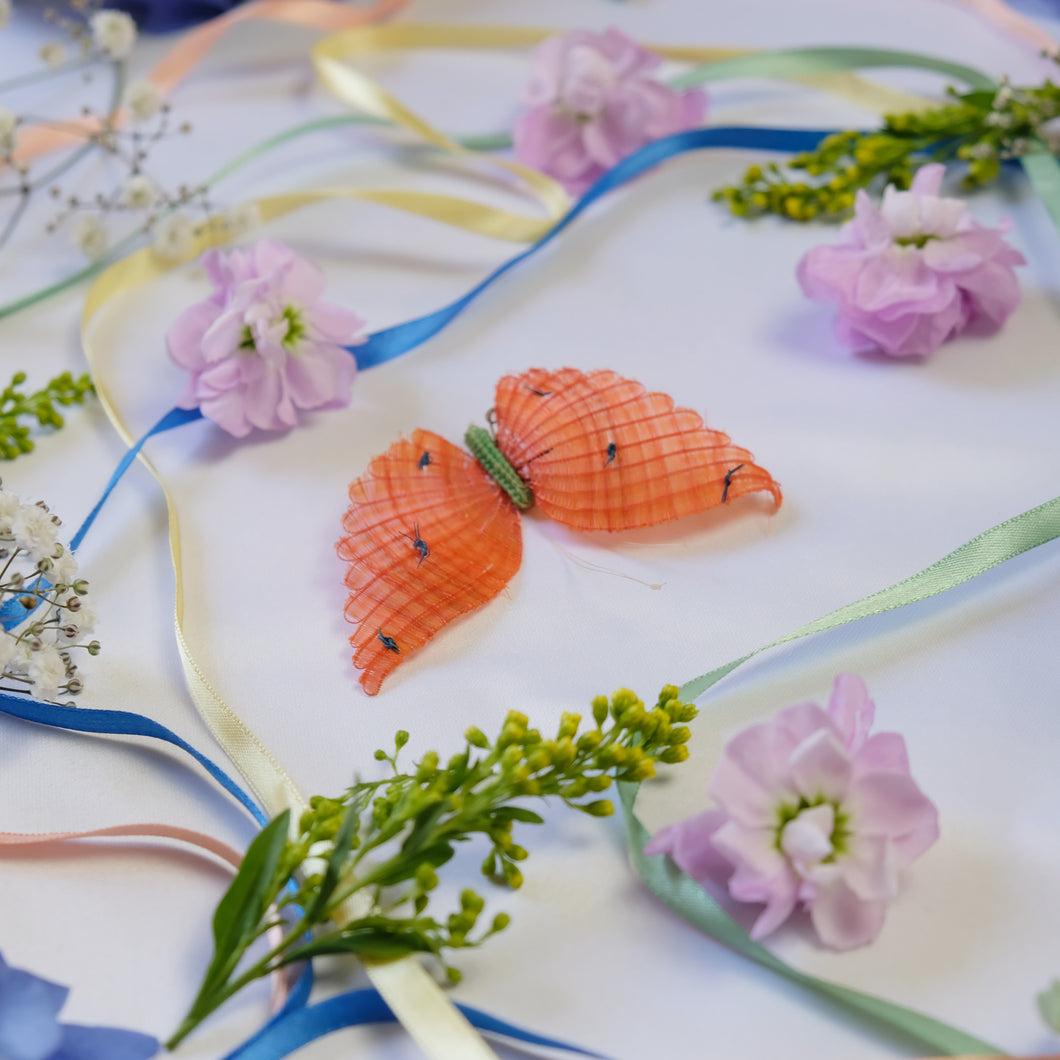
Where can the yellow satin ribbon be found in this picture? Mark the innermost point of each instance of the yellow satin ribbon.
(427, 1014)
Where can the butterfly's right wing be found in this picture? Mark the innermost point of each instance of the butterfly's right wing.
(428, 537)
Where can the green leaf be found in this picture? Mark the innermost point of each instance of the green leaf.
(240, 911)
(343, 842)
(516, 813)
(1049, 1005)
(374, 938)
(424, 821)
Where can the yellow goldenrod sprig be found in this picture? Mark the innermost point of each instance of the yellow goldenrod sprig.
(357, 873)
(63, 390)
(981, 129)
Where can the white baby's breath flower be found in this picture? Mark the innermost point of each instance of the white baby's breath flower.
(5, 13)
(53, 55)
(113, 33)
(143, 100)
(46, 671)
(64, 569)
(139, 192)
(34, 531)
(174, 236)
(90, 237)
(9, 506)
(240, 220)
(78, 623)
(8, 643)
(8, 124)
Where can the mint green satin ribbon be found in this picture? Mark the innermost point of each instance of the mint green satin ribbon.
(991, 548)
(810, 62)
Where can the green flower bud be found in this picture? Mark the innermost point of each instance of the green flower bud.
(500, 922)
(599, 783)
(400, 738)
(589, 741)
(476, 737)
(426, 877)
(673, 755)
(622, 700)
(539, 759)
(568, 725)
(642, 771)
(428, 766)
(518, 853)
(600, 808)
(471, 902)
(454, 975)
(600, 707)
(381, 755)
(682, 734)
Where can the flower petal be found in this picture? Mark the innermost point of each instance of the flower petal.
(104, 1043)
(29, 1007)
(821, 768)
(690, 844)
(851, 709)
(843, 920)
(890, 804)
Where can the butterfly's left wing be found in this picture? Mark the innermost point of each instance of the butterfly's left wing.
(428, 536)
(602, 453)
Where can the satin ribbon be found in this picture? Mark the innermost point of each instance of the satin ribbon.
(1012, 22)
(993, 547)
(19, 842)
(195, 45)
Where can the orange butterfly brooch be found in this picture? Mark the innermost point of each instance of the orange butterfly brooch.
(432, 531)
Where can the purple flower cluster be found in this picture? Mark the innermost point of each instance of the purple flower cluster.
(914, 272)
(263, 345)
(814, 811)
(593, 99)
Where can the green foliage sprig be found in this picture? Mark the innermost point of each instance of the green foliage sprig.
(356, 874)
(1049, 1005)
(981, 128)
(63, 390)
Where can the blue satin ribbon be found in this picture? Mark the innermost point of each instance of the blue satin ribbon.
(289, 1033)
(121, 723)
(386, 345)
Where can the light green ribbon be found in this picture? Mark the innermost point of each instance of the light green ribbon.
(991, 548)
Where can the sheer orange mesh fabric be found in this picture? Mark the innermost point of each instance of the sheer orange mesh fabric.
(601, 453)
(428, 536)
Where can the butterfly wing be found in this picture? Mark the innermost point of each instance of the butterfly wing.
(428, 536)
(601, 453)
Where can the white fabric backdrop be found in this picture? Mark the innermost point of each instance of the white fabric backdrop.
(886, 466)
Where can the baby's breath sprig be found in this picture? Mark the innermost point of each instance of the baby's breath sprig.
(982, 129)
(44, 617)
(63, 390)
(356, 874)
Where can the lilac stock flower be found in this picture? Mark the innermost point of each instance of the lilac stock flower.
(812, 810)
(593, 100)
(915, 272)
(263, 344)
(30, 1027)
